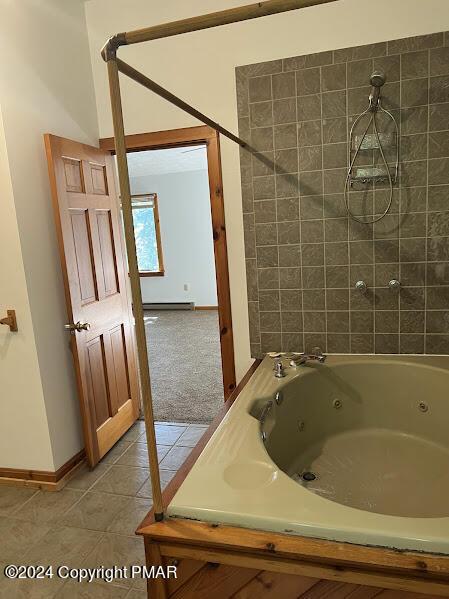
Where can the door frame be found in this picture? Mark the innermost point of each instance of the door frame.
(193, 136)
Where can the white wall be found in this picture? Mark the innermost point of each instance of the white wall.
(24, 439)
(186, 232)
(199, 67)
(45, 86)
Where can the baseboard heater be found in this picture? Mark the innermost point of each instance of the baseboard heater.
(169, 306)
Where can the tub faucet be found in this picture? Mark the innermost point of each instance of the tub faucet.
(279, 369)
(316, 354)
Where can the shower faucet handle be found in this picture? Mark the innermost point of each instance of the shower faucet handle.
(394, 285)
(361, 286)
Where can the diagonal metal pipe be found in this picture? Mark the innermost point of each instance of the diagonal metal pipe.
(109, 53)
(137, 76)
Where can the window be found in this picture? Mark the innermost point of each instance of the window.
(148, 235)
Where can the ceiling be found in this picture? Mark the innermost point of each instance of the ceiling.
(171, 160)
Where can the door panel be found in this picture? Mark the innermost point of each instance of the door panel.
(97, 372)
(120, 362)
(83, 255)
(107, 251)
(73, 175)
(99, 180)
(92, 258)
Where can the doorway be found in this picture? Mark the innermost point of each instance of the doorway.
(181, 238)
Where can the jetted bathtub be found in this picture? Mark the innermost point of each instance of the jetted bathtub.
(355, 449)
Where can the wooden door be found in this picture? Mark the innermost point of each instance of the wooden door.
(99, 312)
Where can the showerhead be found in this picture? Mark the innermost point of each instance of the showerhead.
(377, 78)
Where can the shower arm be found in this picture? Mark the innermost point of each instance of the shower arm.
(109, 54)
(374, 99)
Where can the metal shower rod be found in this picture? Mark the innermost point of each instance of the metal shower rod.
(224, 17)
(109, 53)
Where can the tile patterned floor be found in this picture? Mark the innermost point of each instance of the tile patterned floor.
(91, 522)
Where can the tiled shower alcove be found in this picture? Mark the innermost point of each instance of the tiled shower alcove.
(303, 253)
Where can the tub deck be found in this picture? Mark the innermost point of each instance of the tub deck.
(225, 561)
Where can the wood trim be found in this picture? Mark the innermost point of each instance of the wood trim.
(187, 136)
(286, 546)
(384, 578)
(157, 227)
(156, 273)
(53, 481)
(179, 477)
(195, 136)
(221, 264)
(205, 307)
(153, 557)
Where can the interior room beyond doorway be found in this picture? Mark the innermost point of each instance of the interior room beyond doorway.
(175, 251)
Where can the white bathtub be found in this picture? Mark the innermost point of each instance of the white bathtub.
(372, 430)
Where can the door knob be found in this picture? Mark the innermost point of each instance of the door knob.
(78, 326)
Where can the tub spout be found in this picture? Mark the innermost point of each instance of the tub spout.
(315, 355)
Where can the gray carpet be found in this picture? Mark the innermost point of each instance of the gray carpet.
(185, 364)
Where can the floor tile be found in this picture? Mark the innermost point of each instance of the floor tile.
(168, 434)
(116, 550)
(115, 452)
(130, 516)
(91, 590)
(122, 480)
(45, 588)
(145, 489)
(86, 477)
(11, 498)
(64, 545)
(175, 457)
(137, 594)
(160, 422)
(46, 507)
(17, 536)
(134, 432)
(191, 436)
(137, 455)
(95, 511)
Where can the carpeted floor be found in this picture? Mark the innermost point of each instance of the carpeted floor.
(185, 364)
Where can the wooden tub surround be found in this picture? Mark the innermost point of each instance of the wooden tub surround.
(222, 561)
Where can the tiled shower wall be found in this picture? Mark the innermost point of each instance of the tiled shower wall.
(303, 254)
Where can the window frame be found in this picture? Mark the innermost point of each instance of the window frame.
(154, 198)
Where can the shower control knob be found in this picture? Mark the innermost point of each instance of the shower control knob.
(394, 285)
(361, 286)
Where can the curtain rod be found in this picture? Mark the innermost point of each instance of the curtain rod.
(109, 53)
(215, 19)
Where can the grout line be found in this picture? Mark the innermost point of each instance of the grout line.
(19, 507)
(301, 264)
(401, 193)
(427, 202)
(322, 189)
(348, 220)
(255, 239)
(276, 216)
(373, 239)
